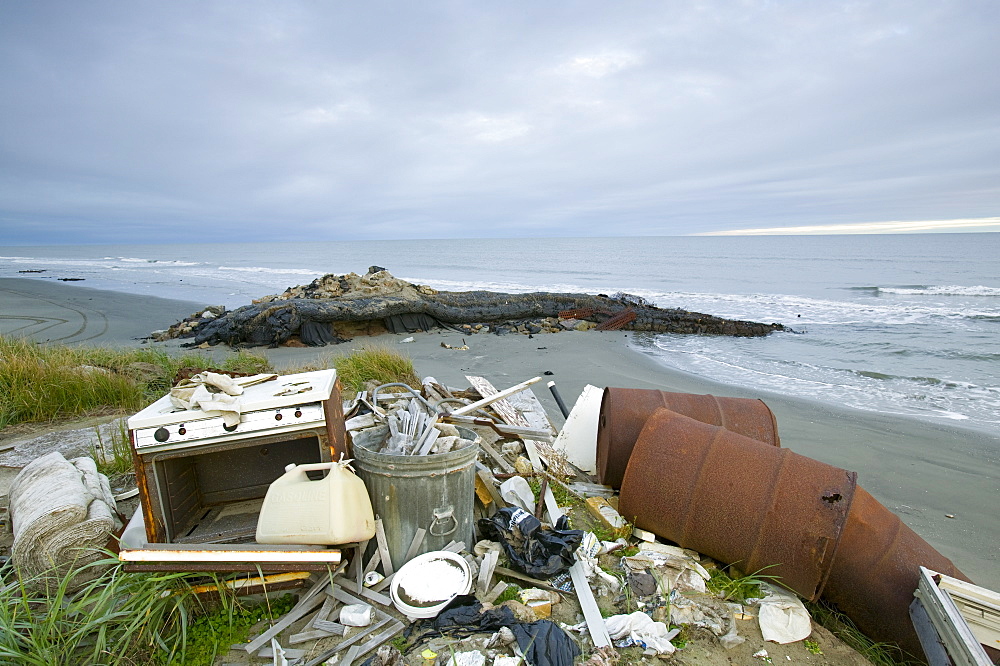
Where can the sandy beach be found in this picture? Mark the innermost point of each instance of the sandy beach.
(922, 471)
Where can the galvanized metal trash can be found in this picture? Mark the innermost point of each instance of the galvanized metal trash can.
(434, 492)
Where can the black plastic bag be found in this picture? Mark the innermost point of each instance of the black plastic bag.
(467, 611)
(537, 550)
(544, 643)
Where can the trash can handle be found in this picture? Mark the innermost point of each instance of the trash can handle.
(441, 516)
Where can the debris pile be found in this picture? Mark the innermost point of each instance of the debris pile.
(486, 539)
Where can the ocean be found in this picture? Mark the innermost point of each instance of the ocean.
(898, 324)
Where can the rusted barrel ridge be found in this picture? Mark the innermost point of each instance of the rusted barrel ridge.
(624, 412)
(877, 570)
(737, 499)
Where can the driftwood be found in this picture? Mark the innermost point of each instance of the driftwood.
(384, 298)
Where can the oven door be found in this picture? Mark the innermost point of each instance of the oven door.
(213, 493)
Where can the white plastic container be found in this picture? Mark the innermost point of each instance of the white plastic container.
(426, 584)
(328, 511)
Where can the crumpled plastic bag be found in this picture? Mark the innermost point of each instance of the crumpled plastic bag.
(643, 631)
(542, 643)
(537, 550)
(782, 617)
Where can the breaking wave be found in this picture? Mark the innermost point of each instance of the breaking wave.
(932, 290)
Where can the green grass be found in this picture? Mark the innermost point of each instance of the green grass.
(120, 619)
(374, 363)
(740, 588)
(841, 626)
(40, 383)
(114, 457)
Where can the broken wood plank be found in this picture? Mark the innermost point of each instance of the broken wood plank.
(495, 593)
(486, 570)
(383, 548)
(299, 611)
(309, 635)
(351, 656)
(494, 397)
(496, 456)
(331, 626)
(510, 573)
(343, 645)
(372, 595)
(500, 428)
(383, 637)
(418, 541)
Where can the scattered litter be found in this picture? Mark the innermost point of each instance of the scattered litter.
(462, 348)
(468, 658)
(357, 615)
(782, 617)
(639, 629)
(516, 491)
(536, 550)
(405, 340)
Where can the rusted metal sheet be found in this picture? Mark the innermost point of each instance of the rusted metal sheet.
(624, 412)
(877, 569)
(737, 499)
(618, 321)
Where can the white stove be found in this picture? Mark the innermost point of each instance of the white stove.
(286, 404)
(202, 482)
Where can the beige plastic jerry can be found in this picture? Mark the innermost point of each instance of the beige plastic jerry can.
(328, 511)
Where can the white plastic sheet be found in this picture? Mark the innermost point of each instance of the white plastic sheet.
(783, 618)
(642, 630)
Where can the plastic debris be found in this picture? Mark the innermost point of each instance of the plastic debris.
(639, 629)
(537, 550)
(782, 617)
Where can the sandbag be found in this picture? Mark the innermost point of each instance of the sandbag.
(63, 514)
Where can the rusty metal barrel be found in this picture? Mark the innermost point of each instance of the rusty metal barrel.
(624, 412)
(877, 569)
(737, 499)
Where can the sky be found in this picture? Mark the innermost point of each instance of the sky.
(147, 122)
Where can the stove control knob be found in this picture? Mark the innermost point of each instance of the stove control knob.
(161, 434)
(277, 416)
(298, 413)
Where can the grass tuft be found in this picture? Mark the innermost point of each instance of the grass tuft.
(841, 626)
(120, 619)
(374, 363)
(740, 588)
(40, 383)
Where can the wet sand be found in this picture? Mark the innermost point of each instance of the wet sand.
(922, 471)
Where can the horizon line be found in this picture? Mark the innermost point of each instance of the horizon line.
(971, 225)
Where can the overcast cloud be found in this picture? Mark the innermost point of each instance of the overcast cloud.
(141, 121)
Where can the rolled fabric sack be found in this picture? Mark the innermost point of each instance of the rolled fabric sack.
(63, 514)
(624, 413)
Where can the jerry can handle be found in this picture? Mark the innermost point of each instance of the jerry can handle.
(441, 517)
(311, 467)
